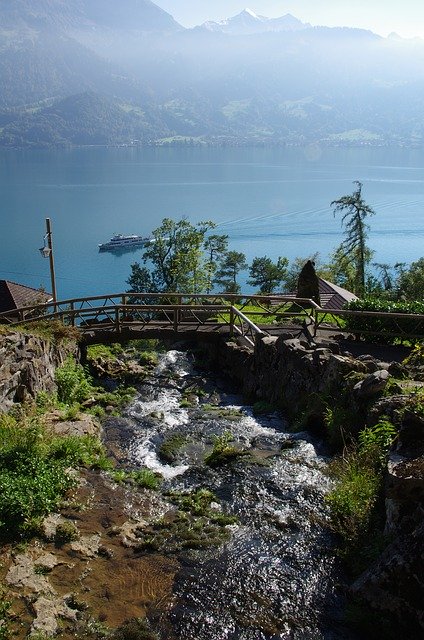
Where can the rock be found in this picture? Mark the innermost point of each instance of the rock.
(50, 524)
(22, 574)
(372, 384)
(47, 611)
(27, 366)
(404, 489)
(307, 283)
(86, 546)
(394, 585)
(85, 425)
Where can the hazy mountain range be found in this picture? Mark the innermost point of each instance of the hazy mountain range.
(103, 72)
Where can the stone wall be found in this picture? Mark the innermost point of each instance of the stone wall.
(285, 372)
(27, 366)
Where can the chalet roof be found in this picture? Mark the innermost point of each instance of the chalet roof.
(332, 296)
(14, 295)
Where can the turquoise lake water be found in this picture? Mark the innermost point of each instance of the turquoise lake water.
(269, 201)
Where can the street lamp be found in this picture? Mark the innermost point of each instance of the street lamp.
(47, 252)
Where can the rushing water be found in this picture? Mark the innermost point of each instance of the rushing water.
(276, 576)
(273, 202)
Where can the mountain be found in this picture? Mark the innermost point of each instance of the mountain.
(47, 47)
(82, 119)
(248, 22)
(141, 15)
(99, 72)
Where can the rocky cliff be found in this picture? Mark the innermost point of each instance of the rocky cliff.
(27, 366)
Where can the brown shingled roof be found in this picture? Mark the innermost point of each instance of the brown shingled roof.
(14, 295)
(332, 296)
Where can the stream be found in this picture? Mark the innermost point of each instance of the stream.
(274, 574)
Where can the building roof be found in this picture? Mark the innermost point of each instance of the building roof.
(14, 295)
(332, 296)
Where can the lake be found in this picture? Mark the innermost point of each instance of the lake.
(269, 201)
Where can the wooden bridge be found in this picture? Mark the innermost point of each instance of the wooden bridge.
(126, 316)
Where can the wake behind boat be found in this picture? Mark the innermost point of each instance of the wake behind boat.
(119, 242)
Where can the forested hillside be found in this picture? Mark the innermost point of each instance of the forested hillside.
(295, 85)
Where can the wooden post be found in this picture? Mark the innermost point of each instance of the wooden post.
(232, 316)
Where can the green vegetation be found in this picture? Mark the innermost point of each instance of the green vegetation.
(73, 382)
(134, 629)
(176, 257)
(223, 451)
(66, 532)
(5, 616)
(34, 470)
(170, 447)
(353, 254)
(144, 478)
(53, 330)
(358, 475)
(267, 275)
(198, 522)
(226, 276)
(389, 330)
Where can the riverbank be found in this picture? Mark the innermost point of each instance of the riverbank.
(239, 522)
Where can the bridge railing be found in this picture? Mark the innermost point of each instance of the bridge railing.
(245, 315)
(71, 310)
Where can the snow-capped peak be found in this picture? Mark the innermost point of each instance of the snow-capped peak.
(251, 13)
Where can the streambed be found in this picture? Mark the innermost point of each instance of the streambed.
(272, 572)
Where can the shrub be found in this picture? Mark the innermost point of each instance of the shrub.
(135, 629)
(352, 501)
(66, 532)
(73, 383)
(375, 443)
(34, 470)
(384, 330)
(359, 478)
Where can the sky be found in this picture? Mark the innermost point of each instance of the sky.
(405, 17)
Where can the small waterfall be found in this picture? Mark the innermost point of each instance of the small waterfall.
(276, 575)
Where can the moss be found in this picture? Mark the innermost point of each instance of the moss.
(223, 452)
(66, 532)
(171, 446)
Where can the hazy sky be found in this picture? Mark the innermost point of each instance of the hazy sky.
(406, 17)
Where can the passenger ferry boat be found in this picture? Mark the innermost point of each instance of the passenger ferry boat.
(119, 242)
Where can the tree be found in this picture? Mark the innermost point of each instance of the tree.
(231, 264)
(411, 281)
(175, 257)
(266, 274)
(215, 247)
(354, 248)
(140, 280)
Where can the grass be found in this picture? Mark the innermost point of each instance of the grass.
(5, 616)
(223, 451)
(52, 330)
(144, 478)
(359, 480)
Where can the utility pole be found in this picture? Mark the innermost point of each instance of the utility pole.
(47, 252)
